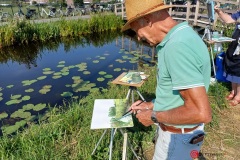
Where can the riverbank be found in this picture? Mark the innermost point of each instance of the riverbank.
(64, 132)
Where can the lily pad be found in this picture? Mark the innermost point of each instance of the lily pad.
(68, 85)
(1, 94)
(132, 61)
(61, 62)
(28, 107)
(102, 72)
(66, 94)
(96, 61)
(20, 114)
(86, 72)
(39, 107)
(76, 77)
(60, 65)
(47, 69)
(26, 98)
(15, 96)
(117, 69)
(41, 78)
(14, 101)
(29, 90)
(102, 58)
(10, 86)
(65, 73)
(72, 66)
(57, 73)
(48, 72)
(44, 90)
(100, 79)
(11, 129)
(3, 115)
(56, 77)
(1, 98)
(28, 82)
(108, 76)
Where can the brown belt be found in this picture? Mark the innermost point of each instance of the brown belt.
(176, 130)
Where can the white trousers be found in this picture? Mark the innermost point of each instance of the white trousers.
(172, 146)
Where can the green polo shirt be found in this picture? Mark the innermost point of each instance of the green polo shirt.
(183, 62)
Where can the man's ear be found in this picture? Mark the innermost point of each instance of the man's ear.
(147, 19)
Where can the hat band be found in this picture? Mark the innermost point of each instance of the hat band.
(146, 11)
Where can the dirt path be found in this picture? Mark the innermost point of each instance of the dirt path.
(223, 142)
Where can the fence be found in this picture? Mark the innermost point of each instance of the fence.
(195, 15)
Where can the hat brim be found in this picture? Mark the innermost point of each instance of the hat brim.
(127, 24)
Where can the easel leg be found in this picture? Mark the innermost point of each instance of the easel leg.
(128, 94)
(140, 95)
(130, 91)
(132, 96)
(213, 64)
(99, 142)
(113, 131)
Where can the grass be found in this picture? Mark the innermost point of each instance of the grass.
(64, 132)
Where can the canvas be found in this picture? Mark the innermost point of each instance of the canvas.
(107, 113)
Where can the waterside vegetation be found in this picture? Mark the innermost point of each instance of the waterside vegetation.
(24, 32)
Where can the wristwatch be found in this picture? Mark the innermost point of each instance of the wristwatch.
(153, 117)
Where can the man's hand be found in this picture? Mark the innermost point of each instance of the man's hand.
(144, 116)
(143, 111)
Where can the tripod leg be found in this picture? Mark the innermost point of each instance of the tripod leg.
(213, 64)
(132, 97)
(129, 92)
(99, 141)
(113, 131)
(140, 95)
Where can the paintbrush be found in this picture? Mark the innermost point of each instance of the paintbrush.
(131, 109)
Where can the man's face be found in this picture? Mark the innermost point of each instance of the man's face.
(143, 31)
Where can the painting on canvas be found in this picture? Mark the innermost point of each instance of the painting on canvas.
(107, 113)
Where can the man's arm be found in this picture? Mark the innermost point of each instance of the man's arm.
(224, 16)
(196, 109)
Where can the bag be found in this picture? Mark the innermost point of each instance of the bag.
(219, 67)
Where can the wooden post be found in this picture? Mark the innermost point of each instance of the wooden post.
(188, 10)
(124, 154)
(196, 13)
(122, 10)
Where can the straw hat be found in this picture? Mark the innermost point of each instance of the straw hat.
(136, 9)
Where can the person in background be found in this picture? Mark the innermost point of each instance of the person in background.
(232, 57)
(181, 107)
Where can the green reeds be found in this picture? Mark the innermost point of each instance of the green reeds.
(24, 32)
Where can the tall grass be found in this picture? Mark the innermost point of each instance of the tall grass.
(23, 32)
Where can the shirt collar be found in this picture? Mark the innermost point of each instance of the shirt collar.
(168, 36)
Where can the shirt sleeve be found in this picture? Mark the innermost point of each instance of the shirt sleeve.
(236, 15)
(184, 66)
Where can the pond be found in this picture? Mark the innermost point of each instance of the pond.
(36, 75)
